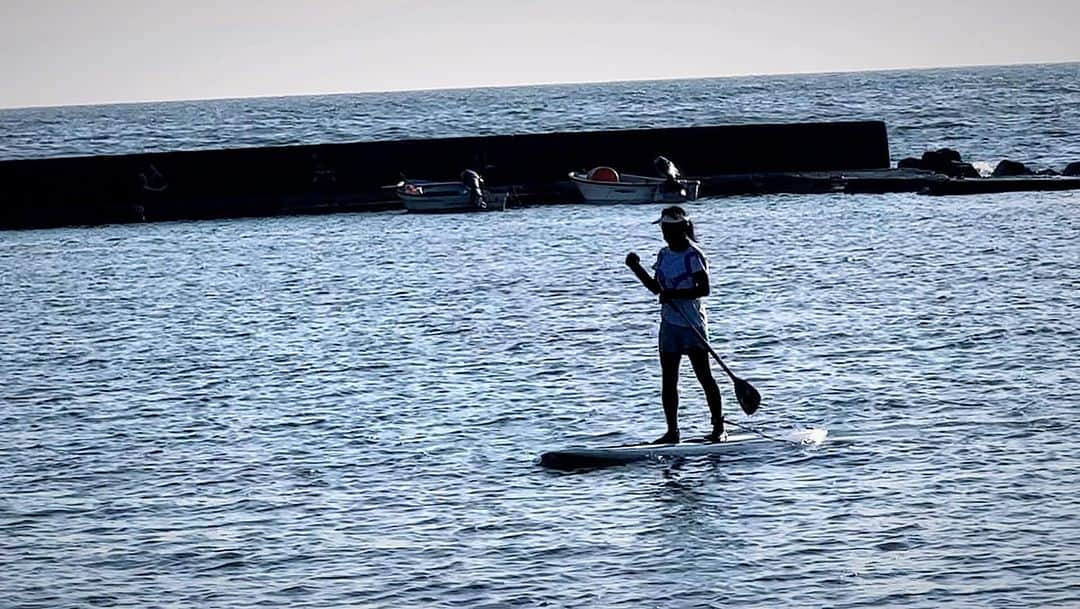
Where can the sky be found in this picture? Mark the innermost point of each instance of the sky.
(70, 52)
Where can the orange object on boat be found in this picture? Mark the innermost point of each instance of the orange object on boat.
(604, 174)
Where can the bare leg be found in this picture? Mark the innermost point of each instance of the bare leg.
(699, 359)
(669, 370)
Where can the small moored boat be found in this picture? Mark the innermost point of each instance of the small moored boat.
(469, 194)
(604, 184)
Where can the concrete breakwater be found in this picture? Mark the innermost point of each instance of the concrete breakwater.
(799, 158)
(353, 176)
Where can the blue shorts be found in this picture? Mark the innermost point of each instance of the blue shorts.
(678, 339)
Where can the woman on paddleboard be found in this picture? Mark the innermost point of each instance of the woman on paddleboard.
(681, 279)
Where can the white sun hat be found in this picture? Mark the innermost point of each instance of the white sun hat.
(673, 215)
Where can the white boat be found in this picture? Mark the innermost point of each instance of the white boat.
(605, 185)
(421, 196)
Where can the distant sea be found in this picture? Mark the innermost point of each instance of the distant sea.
(1026, 113)
(346, 410)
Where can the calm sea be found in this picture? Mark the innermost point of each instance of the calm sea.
(346, 410)
(1025, 113)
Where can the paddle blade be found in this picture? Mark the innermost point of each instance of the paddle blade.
(749, 398)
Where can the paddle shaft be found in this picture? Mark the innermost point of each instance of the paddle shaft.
(748, 397)
(705, 341)
(758, 432)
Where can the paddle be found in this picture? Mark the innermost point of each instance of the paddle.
(754, 430)
(749, 398)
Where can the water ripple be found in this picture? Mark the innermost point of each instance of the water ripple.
(1032, 119)
(346, 410)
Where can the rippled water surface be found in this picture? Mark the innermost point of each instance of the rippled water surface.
(346, 410)
(1025, 113)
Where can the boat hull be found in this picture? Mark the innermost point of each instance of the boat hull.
(442, 197)
(633, 189)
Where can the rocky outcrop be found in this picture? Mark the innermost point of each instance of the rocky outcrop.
(959, 169)
(941, 157)
(945, 161)
(1007, 168)
(1073, 169)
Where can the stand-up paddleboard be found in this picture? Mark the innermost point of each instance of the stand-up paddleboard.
(577, 458)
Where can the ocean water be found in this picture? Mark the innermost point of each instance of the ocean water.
(1025, 113)
(346, 410)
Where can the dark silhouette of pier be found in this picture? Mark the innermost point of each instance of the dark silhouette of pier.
(848, 157)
